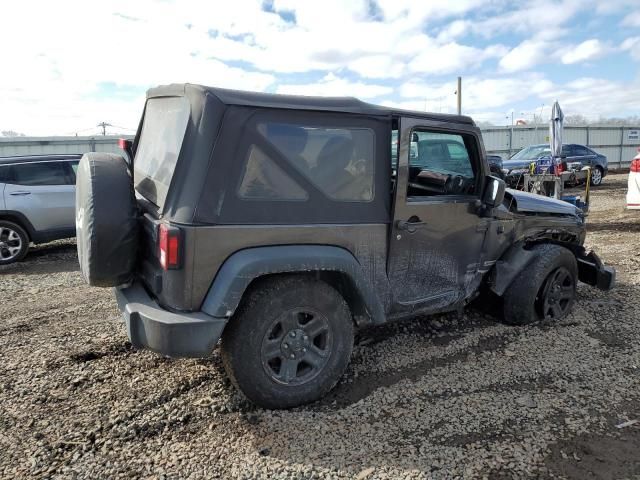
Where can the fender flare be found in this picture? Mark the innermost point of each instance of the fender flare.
(22, 220)
(510, 265)
(244, 266)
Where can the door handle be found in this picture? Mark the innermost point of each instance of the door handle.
(20, 193)
(410, 227)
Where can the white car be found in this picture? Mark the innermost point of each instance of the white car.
(633, 193)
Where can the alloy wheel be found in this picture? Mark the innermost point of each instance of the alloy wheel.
(296, 346)
(557, 294)
(10, 244)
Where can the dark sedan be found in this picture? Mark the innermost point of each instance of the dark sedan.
(575, 156)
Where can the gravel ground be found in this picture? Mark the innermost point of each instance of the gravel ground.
(438, 397)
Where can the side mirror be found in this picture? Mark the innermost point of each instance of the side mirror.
(493, 193)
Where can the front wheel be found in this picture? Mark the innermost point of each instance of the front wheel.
(544, 290)
(289, 342)
(596, 176)
(14, 242)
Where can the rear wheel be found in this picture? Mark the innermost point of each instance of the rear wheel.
(596, 176)
(545, 290)
(289, 342)
(14, 242)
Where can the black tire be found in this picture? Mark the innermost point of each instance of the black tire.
(259, 335)
(12, 237)
(597, 176)
(106, 220)
(527, 298)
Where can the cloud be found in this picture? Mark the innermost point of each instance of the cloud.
(333, 86)
(482, 98)
(632, 19)
(478, 93)
(384, 50)
(526, 55)
(452, 57)
(632, 45)
(454, 30)
(587, 50)
(540, 19)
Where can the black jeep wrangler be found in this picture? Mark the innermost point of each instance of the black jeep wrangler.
(278, 225)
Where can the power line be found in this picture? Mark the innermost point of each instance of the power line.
(123, 128)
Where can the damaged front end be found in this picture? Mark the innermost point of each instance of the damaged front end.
(530, 220)
(593, 272)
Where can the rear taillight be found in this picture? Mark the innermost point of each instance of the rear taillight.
(169, 239)
(635, 163)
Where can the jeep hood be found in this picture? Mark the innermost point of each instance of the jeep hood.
(532, 203)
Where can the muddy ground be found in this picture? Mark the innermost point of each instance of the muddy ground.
(439, 397)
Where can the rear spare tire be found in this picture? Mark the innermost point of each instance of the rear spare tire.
(106, 220)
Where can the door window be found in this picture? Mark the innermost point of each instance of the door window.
(442, 165)
(34, 174)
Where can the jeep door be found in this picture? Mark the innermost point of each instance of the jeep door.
(436, 235)
(44, 192)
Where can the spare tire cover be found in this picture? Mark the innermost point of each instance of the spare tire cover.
(106, 220)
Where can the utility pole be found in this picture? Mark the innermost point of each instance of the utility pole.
(459, 93)
(104, 126)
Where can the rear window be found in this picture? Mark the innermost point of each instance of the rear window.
(163, 129)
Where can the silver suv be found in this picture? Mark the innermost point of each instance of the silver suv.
(37, 202)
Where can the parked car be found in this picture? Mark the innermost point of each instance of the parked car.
(37, 202)
(276, 224)
(574, 156)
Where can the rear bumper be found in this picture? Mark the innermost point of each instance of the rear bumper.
(152, 327)
(592, 272)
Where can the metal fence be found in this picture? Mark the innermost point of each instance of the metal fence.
(14, 146)
(618, 144)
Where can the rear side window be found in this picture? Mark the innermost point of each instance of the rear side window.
(263, 179)
(163, 129)
(337, 161)
(34, 174)
(582, 151)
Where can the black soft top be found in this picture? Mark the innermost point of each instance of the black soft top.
(299, 102)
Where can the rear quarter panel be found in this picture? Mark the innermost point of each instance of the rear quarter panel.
(213, 245)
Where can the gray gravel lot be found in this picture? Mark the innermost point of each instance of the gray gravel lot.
(439, 397)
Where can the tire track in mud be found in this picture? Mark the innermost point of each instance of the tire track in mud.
(353, 389)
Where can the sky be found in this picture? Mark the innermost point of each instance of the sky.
(68, 65)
